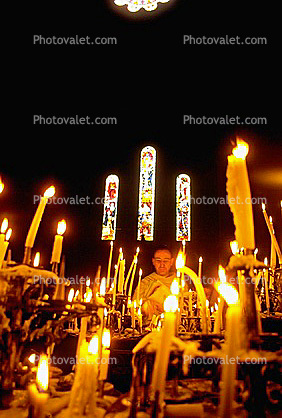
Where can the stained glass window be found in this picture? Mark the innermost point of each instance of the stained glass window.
(110, 207)
(136, 5)
(183, 208)
(146, 194)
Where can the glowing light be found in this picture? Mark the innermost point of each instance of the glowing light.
(146, 203)
(228, 292)
(110, 208)
(4, 226)
(1, 186)
(183, 208)
(221, 274)
(134, 6)
(61, 227)
(180, 261)
(50, 192)
(71, 295)
(36, 260)
(263, 206)
(32, 358)
(171, 303)
(241, 150)
(174, 287)
(8, 234)
(103, 286)
(106, 338)
(234, 247)
(42, 375)
(93, 347)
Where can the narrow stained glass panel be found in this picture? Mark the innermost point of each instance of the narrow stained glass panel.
(146, 194)
(110, 208)
(183, 208)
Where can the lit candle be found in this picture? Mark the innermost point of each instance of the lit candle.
(4, 227)
(272, 235)
(37, 392)
(163, 349)
(103, 287)
(138, 286)
(239, 195)
(265, 275)
(110, 264)
(38, 216)
(4, 246)
(200, 267)
(1, 186)
(218, 319)
(36, 260)
(58, 242)
(130, 270)
(104, 362)
(272, 250)
(132, 277)
(121, 276)
(232, 347)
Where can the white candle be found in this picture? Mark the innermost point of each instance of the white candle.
(4, 246)
(272, 250)
(132, 278)
(58, 242)
(130, 270)
(163, 350)
(38, 216)
(37, 392)
(104, 362)
(121, 276)
(239, 195)
(273, 237)
(138, 286)
(232, 347)
(200, 267)
(4, 227)
(110, 264)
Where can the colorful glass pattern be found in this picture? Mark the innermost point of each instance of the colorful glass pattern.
(146, 194)
(110, 208)
(136, 5)
(183, 208)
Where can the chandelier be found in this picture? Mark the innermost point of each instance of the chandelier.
(136, 5)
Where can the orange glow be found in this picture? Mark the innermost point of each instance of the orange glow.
(32, 358)
(228, 292)
(71, 295)
(106, 338)
(93, 347)
(221, 274)
(36, 260)
(49, 192)
(61, 227)
(241, 150)
(42, 375)
(200, 259)
(4, 226)
(171, 303)
(180, 261)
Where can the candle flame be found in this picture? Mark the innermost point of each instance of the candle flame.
(36, 260)
(1, 186)
(4, 226)
(221, 274)
(88, 296)
(270, 219)
(241, 150)
(42, 375)
(228, 292)
(106, 338)
(8, 234)
(137, 250)
(49, 192)
(234, 247)
(180, 260)
(32, 358)
(263, 206)
(93, 347)
(103, 287)
(215, 306)
(200, 259)
(140, 272)
(174, 287)
(265, 261)
(61, 227)
(171, 303)
(71, 295)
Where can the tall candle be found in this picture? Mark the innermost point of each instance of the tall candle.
(138, 286)
(121, 276)
(218, 319)
(200, 267)
(130, 270)
(4, 246)
(58, 242)
(163, 349)
(110, 264)
(104, 362)
(38, 216)
(4, 227)
(239, 195)
(273, 237)
(132, 279)
(272, 250)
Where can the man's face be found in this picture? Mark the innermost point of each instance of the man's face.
(162, 262)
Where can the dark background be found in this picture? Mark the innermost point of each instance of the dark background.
(148, 81)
